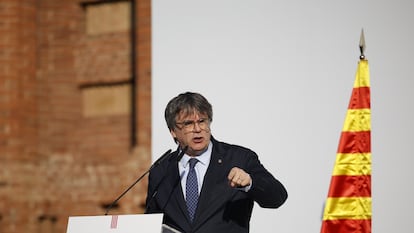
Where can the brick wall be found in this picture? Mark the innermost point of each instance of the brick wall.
(57, 159)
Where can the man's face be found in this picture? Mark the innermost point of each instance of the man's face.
(192, 130)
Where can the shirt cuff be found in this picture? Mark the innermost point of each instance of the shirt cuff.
(246, 188)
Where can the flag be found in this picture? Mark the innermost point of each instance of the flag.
(348, 205)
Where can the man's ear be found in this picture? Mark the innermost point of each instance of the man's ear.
(173, 135)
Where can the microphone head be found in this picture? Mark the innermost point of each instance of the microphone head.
(162, 158)
(181, 154)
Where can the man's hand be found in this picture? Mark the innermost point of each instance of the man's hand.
(238, 178)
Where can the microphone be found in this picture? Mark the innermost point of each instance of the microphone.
(182, 153)
(160, 159)
(179, 156)
(155, 164)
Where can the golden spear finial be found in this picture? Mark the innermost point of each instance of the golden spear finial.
(362, 45)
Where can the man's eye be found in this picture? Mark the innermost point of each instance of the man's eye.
(187, 123)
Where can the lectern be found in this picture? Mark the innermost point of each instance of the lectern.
(146, 223)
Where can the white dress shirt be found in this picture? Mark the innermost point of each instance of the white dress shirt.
(200, 167)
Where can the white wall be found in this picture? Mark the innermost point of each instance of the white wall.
(279, 75)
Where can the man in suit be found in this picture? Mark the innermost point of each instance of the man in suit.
(207, 186)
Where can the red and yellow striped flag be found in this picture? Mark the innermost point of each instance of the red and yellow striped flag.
(348, 205)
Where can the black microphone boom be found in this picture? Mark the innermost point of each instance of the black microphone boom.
(149, 201)
(155, 164)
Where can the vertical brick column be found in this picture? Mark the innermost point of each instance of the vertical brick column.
(18, 113)
(143, 63)
(18, 77)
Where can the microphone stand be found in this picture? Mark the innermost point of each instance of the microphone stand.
(155, 164)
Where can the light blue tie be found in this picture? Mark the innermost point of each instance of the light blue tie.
(191, 189)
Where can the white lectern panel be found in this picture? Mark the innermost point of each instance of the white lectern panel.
(148, 223)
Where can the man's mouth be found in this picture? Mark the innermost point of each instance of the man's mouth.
(197, 139)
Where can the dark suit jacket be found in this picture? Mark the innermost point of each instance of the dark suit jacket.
(221, 209)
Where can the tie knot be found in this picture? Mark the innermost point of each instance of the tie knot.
(193, 162)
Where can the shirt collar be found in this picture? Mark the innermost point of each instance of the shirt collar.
(203, 158)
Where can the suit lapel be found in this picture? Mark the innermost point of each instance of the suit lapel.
(173, 201)
(215, 188)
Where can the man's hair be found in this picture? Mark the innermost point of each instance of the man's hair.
(186, 103)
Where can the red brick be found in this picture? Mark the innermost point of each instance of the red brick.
(55, 162)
